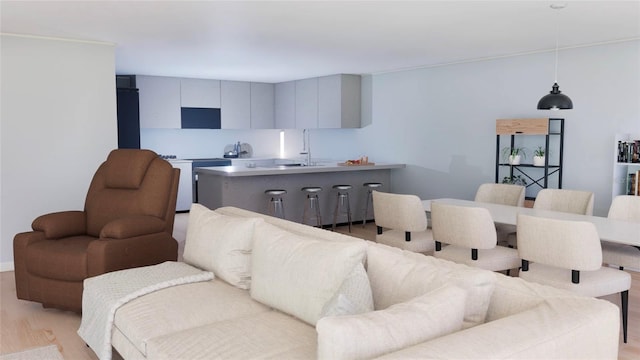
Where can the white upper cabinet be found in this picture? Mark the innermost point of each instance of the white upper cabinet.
(339, 101)
(262, 106)
(235, 104)
(306, 103)
(200, 93)
(285, 111)
(159, 102)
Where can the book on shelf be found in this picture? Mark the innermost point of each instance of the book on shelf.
(634, 183)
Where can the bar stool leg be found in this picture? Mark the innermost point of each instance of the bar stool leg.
(318, 216)
(342, 202)
(366, 207)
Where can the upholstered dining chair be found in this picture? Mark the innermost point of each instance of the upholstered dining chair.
(624, 208)
(565, 200)
(504, 194)
(562, 200)
(127, 222)
(567, 255)
(471, 239)
(401, 222)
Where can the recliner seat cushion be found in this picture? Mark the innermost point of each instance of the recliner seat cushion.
(63, 259)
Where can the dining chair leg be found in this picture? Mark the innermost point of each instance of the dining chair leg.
(625, 309)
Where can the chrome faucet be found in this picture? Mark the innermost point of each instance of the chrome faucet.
(306, 146)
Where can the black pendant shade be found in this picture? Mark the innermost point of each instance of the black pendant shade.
(555, 100)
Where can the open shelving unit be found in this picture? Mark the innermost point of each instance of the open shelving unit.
(512, 133)
(623, 169)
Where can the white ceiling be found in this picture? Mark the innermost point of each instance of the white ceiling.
(278, 41)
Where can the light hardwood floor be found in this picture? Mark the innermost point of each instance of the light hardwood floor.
(26, 325)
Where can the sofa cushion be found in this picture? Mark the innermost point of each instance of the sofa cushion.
(353, 297)
(268, 335)
(298, 274)
(397, 276)
(404, 324)
(182, 307)
(221, 244)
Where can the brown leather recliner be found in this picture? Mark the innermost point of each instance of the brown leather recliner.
(127, 222)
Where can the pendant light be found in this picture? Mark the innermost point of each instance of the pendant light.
(556, 100)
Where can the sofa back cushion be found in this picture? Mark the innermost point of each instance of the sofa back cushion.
(375, 333)
(297, 274)
(397, 276)
(221, 244)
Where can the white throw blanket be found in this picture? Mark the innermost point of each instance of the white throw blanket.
(104, 294)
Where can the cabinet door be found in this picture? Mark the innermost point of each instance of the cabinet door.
(307, 103)
(235, 109)
(159, 102)
(329, 102)
(200, 93)
(285, 105)
(339, 101)
(262, 106)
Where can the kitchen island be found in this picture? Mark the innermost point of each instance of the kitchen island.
(244, 187)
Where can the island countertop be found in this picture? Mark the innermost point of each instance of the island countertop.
(235, 171)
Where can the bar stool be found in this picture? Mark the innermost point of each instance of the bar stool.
(370, 186)
(342, 204)
(312, 204)
(275, 206)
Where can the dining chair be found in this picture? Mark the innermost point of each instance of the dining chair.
(624, 208)
(504, 194)
(562, 200)
(401, 222)
(567, 255)
(471, 238)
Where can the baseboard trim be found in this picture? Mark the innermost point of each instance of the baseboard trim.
(6, 266)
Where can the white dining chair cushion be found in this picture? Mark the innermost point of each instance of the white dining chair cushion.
(470, 227)
(563, 200)
(496, 259)
(421, 241)
(601, 282)
(505, 194)
(399, 211)
(626, 256)
(625, 207)
(568, 244)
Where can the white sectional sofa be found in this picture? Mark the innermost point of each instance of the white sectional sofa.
(288, 291)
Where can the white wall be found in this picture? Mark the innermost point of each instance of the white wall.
(441, 120)
(58, 123)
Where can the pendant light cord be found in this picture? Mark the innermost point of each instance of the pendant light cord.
(557, 8)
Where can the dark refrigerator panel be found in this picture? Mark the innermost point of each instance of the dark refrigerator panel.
(128, 118)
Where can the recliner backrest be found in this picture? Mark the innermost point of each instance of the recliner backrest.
(563, 200)
(129, 182)
(399, 211)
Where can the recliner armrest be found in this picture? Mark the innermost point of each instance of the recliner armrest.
(61, 224)
(132, 226)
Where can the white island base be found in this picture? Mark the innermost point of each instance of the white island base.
(244, 187)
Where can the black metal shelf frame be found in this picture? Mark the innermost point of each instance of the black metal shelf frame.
(548, 169)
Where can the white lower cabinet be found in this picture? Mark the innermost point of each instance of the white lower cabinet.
(185, 186)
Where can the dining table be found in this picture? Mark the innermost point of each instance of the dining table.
(609, 230)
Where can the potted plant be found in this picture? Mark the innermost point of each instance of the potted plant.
(516, 180)
(514, 154)
(538, 157)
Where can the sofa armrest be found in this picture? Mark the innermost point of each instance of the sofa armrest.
(61, 224)
(559, 328)
(132, 226)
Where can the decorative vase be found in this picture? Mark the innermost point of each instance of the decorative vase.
(514, 159)
(538, 161)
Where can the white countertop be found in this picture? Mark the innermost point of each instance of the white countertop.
(232, 171)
